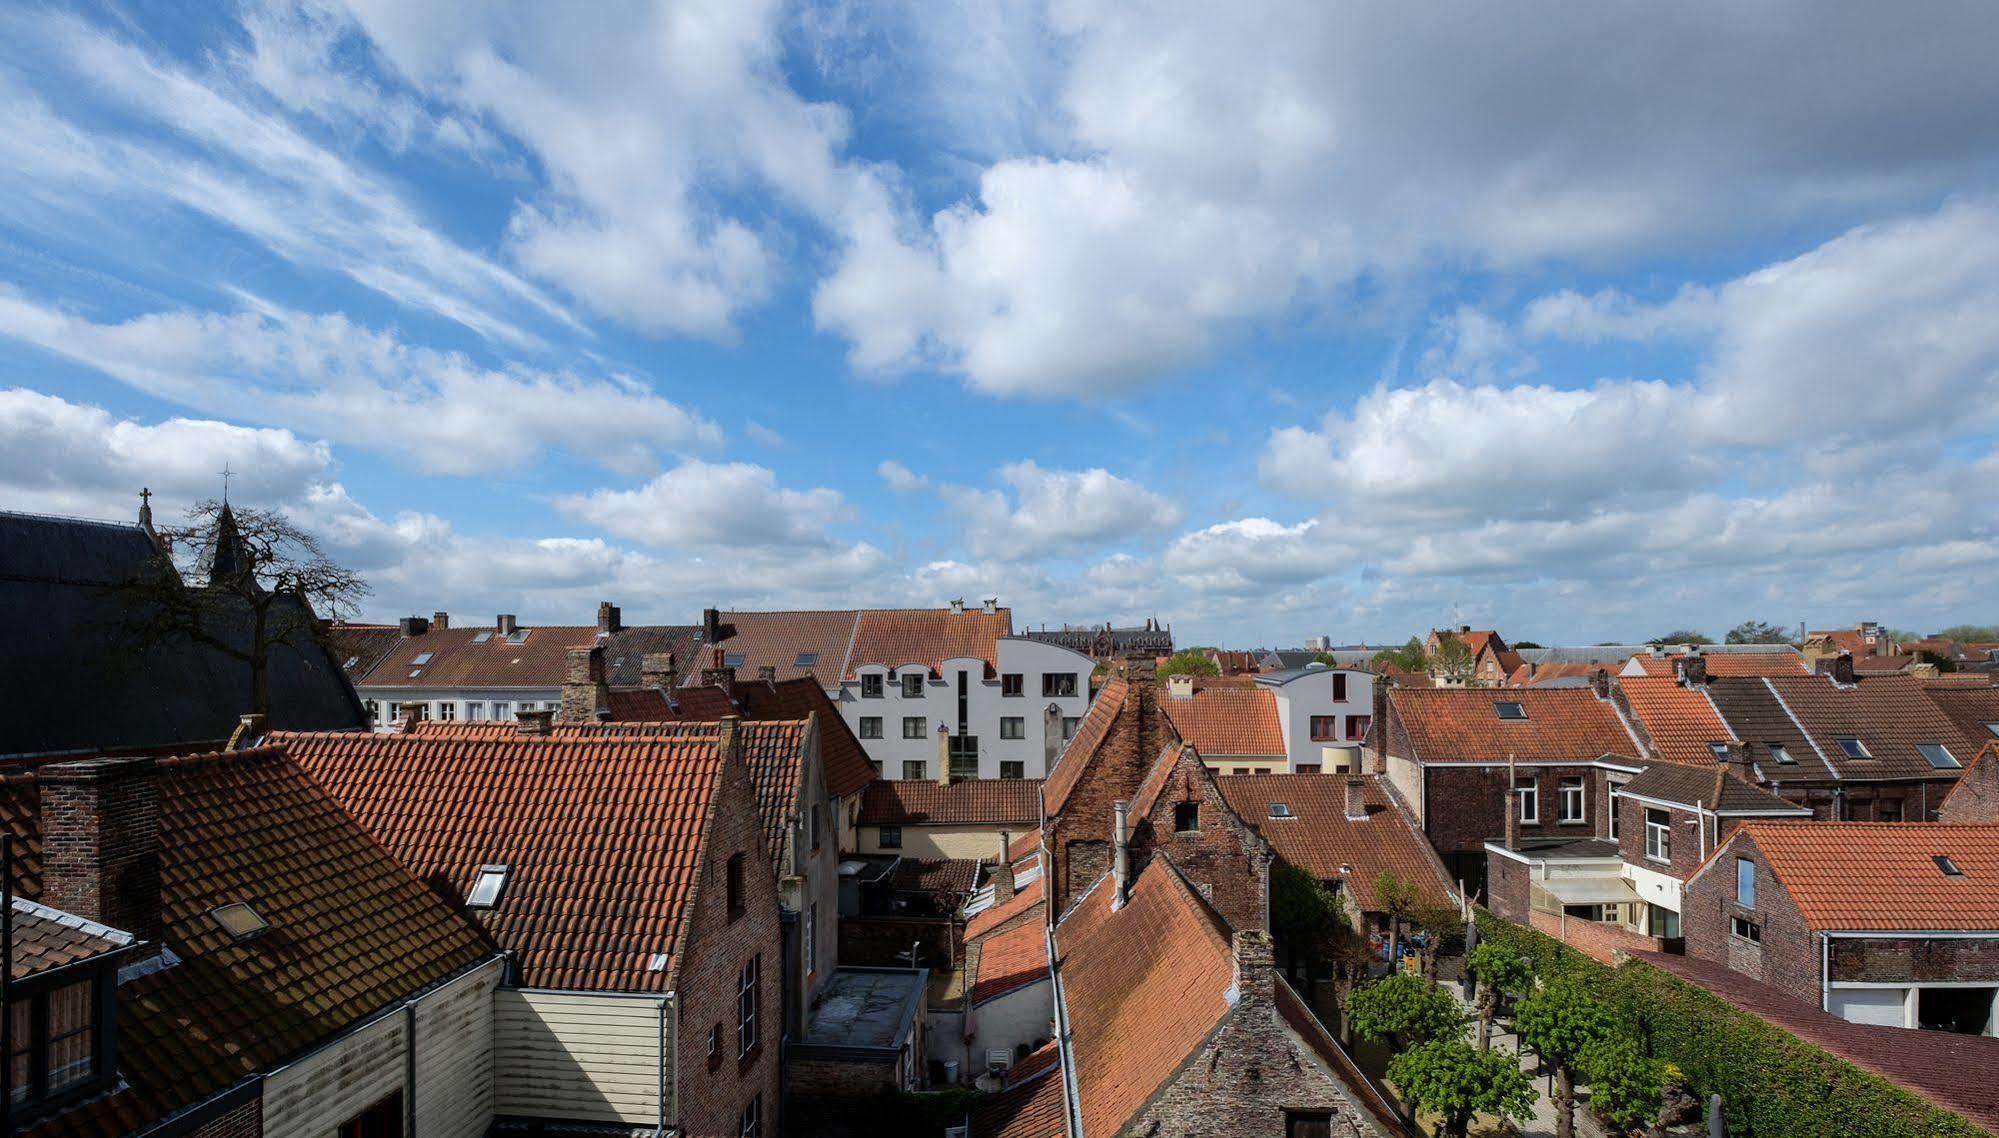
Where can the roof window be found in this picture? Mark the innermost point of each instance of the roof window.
(1852, 746)
(1281, 810)
(806, 659)
(1994, 728)
(1779, 752)
(1938, 756)
(732, 659)
(1719, 751)
(239, 920)
(351, 661)
(481, 637)
(519, 636)
(487, 887)
(1948, 866)
(1510, 709)
(422, 658)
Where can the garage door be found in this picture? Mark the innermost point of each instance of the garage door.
(1881, 1006)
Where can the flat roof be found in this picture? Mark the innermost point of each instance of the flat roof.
(866, 1007)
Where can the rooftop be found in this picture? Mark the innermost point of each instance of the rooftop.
(1881, 875)
(1228, 721)
(866, 1007)
(1486, 725)
(1011, 960)
(986, 801)
(1317, 836)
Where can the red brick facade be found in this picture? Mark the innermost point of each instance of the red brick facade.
(1465, 806)
(245, 1120)
(1078, 839)
(1787, 956)
(1593, 938)
(1975, 797)
(101, 858)
(1683, 848)
(1221, 857)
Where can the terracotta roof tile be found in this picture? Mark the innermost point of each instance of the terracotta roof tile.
(894, 637)
(984, 801)
(1890, 715)
(1319, 838)
(1462, 726)
(698, 704)
(1975, 710)
(1679, 719)
(986, 920)
(1731, 664)
(1143, 986)
(780, 640)
(1228, 721)
(47, 938)
(1090, 735)
(1032, 1108)
(953, 876)
(459, 658)
(1011, 960)
(848, 770)
(1023, 846)
(1882, 875)
(1558, 673)
(601, 834)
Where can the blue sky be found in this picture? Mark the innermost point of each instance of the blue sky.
(1289, 320)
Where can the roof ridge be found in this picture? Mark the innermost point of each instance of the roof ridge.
(219, 758)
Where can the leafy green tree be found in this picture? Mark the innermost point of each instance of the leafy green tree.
(1626, 1086)
(1756, 632)
(1410, 657)
(1498, 970)
(1902, 634)
(1519, 644)
(1398, 899)
(1450, 1078)
(1561, 1021)
(1406, 1010)
(1682, 636)
(1968, 632)
(1326, 658)
(1306, 917)
(1443, 931)
(1452, 659)
(1189, 663)
(1942, 664)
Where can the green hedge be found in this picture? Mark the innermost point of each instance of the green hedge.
(1772, 1084)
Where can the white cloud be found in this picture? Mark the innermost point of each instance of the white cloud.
(434, 410)
(1054, 511)
(712, 504)
(900, 478)
(762, 435)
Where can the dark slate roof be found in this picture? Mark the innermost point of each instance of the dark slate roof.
(1750, 707)
(1107, 642)
(359, 647)
(1711, 786)
(626, 648)
(76, 683)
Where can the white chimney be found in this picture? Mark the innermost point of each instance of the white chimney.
(1180, 686)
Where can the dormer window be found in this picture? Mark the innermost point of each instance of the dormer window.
(240, 921)
(487, 887)
(1938, 756)
(1852, 747)
(1510, 709)
(57, 1042)
(871, 685)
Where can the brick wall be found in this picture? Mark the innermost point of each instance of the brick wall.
(1465, 806)
(1509, 888)
(883, 942)
(835, 1078)
(714, 1093)
(101, 842)
(1975, 798)
(1228, 863)
(1886, 960)
(584, 690)
(1684, 849)
(246, 1120)
(1787, 957)
(1592, 938)
(1129, 748)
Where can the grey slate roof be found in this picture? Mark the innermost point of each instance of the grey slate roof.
(1712, 787)
(76, 683)
(1750, 707)
(1582, 653)
(625, 649)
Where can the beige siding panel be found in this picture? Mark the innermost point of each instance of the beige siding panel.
(454, 1056)
(578, 1055)
(965, 842)
(314, 1096)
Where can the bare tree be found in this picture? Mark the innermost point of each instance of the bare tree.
(241, 582)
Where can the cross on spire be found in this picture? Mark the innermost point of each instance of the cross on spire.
(225, 483)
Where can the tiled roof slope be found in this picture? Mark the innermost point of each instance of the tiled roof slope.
(47, 938)
(601, 833)
(975, 802)
(1889, 714)
(895, 637)
(359, 647)
(1143, 987)
(1090, 735)
(626, 649)
(954, 876)
(1556, 674)
(1755, 715)
(986, 920)
(1679, 719)
(1010, 961)
(1318, 838)
(1037, 1108)
(681, 705)
(1883, 875)
(1461, 726)
(459, 659)
(351, 931)
(1972, 708)
(848, 770)
(1228, 721)
(1731, 664)
(1711, 787)
(779, 639)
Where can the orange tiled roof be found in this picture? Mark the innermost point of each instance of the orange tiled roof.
(1680, 719)
(47, 938)
(894, 637)
(1035, 1107)
(698, 704)
(780, 639)
(1731, 664)
(459, 659)
(848, 770)
(1540, 675)
(1090, 735)
(986, 920)
(1447, 725)
(1228, 721)
(602, 834)
(1882, 875)
(1143, 987)
(1319, 839)
(975, 802)
(1023, 846)
(1011, 960)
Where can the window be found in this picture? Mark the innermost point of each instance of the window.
(1357, 726)
(749, 1001)
(1280, 810)
(1069, 723)
(715, 1042)
(1010, 685)
(1308, 1124)
(737, 902)
(422, 658)
(915, 769)
(1658, 835)
(1993, 728)
(1528, 795)
(382, 1120)
(475, 710)
(1186, 817)
(914, 727)
(482, 637)
(487, 887)
(1946, 866)
(72, 1038)
(1510, 709)
(871, 726)
(1852, 747)
(1325, 727)
(1888, 810)
(1615, 810)
(877, 764)
(892, 836)
(751, 1122)
(1938, 756)
(912, 685)
(1339, 687)
(1745, 883)
(239, 920)
(1013, 727)
(964, 757)
(1745, 930)
(1058, 684)
(1012, 768)
(871, 685)
(502, 709)
(1780, 754)
(732, 659)
(1719, 751)
(447, 710)
(811, 945)
(551, 705)
(374, 711)
(1572, 800)
(806, 660)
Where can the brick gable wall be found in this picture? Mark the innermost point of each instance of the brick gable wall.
(1787, 958)
(1465, 806)
(1078, 840)
(1227, 863)
(1684, 848)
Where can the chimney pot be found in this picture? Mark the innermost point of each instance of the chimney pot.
(505, 625)
(101, 842)
(1003, 871)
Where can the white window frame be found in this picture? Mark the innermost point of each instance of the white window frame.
(503, 709)
(1580, 789)
(1745, 883)
(1658, 835)
(921, 730)
(1527, 800)
(749, 1006)
(475, 709)
(447, 710)
(870, 723)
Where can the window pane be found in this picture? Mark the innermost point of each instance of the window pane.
(72, 1036)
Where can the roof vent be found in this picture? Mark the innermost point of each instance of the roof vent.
(240, 921)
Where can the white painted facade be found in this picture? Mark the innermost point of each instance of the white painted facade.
(385, 704)
(1002, 1023)
(907, 725)
(1324, 714)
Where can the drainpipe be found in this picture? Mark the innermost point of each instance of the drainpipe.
(669, 1006)
(409, 1064)
(1825, 973)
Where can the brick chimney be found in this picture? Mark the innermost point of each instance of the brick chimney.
(657, 670)
(505, 624)
(1141, 668)
(720, 676)
(1356, 800)
(1741, 763)
(1255, 968)
(101, 842)
(585, 692)
(1003, 871)
(1839, 667)
(610, 618)
(1691, 669)
(413, 626)
(711, 625)
(1599, 682)
(943, 754)
(1120, 853)
(440, 620)
(535, 722)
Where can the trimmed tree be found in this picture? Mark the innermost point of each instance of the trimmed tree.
(1498, 970)
(1450, 1078)
(1627, 1087)
(1398, 899)
(1406, 1010)
(1561, 1021)
(1189, 663)
(1305, 916)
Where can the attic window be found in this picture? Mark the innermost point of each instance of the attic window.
(422, 658)
(1994, 728)
(1280, 810)
(486, 888)
(1948, 866)
(732, 660)
(656, 962)
(1938, 755)
(806, 659)
(1719, 751)
(482, 637)
(1852, 746)
(351, 661)
(239, 920)
(1779, 752)
(1509, 709)
(519, 636)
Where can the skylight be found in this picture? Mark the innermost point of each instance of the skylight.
(1853, 747)
(481, 638)
(239, 920)
(422, 658)
(519, 636)
(1509, 709)
(732, 659)
(1719, 751)
(806, 659)
(1994, 728)
(1938, 755)
(486, 888)
(1780, 753)
(656, 962)
(1280, 810)
(1948, 866)
(351, 661)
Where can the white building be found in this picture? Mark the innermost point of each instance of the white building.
(1306, 721)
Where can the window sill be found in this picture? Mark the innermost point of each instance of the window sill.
(1656, 860)
(1573, 822)
(749, 1058)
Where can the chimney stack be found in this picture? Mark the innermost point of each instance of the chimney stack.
(413, 626)
(1512, 832)
(1051, 736)
(534, 722)
(101, 842)
(1003, 871)
(1839, 667)
(989, 606)
(720, 676)
(1141, 667)
(505, 625)
(711, 626)
(1120, 853)
(1740, 763)
(586, 695)
(408, 717)
(1180, 686)
(958, 606)
(1356, 800)
(767, 673)
(943, 754)
(1690, 669)
(1255, 967)
(657, 670)
(1599, 682)
(440, 620)
(610, 618)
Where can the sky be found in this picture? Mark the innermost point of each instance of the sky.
(1584, 321)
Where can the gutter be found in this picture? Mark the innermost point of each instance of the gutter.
(1072, 1106)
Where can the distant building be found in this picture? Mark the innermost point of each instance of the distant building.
(1305, 721)
(1107, 643)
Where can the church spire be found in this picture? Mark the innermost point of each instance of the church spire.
(227, 559)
